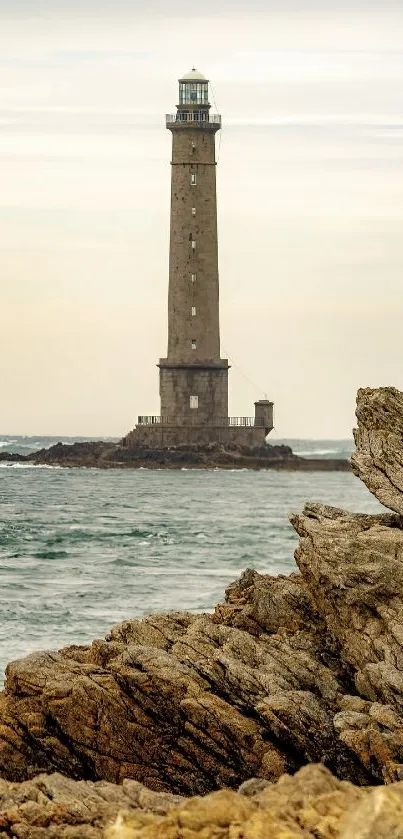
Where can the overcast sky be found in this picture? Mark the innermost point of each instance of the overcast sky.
(310, 205)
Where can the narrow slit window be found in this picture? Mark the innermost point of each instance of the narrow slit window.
(193, 244)
(194, 345)
(193, 211)
(193, 311)
(193, 278)
(193, 179)
(194, 401)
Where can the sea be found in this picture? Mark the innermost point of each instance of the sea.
(83, 549)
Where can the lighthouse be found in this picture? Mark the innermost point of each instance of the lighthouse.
(193, 376)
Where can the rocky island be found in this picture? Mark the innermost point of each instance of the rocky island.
(279, 715)
(127, 455)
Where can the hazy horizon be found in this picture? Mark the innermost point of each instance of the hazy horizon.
(310, 206)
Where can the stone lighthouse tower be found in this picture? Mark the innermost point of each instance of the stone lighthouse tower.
(193, 376)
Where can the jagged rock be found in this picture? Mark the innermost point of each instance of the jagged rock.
(186, 703)
(311, 805)
(289, 670)
(55, 807)
(353, 565)
(378, 459)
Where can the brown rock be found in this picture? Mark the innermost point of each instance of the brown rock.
(183, 703)
(53, 806)
(354, 567)
(187, 703)
(289, 670)
(378, 459)
(378, 816)
(311, 805)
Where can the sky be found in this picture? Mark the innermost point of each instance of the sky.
(310, 205)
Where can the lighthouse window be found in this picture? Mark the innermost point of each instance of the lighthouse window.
(193, 179)
(194, 401)
(193, 343)
(193, 211)
(193, 311)
(193, 278)
(190, 91)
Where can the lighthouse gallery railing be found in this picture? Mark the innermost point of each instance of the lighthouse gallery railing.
(219, 421)
(193, 116)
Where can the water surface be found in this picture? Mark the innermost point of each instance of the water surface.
(82, 549)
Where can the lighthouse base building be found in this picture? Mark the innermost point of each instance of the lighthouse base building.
(193, 376)
(160, 431)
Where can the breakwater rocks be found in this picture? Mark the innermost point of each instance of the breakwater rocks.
(213, 455)
(287, 671)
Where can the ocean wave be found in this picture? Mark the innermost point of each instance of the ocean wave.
(312, 452)
(227, 469)
(10, 465)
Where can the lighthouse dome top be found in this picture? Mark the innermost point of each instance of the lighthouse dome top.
(193, 75)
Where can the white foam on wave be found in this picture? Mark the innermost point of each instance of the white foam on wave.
(10, 465)
(226, 469)
(310, 453)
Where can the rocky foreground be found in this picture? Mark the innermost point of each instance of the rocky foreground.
(312, 804)
(103, 455)
(288, 671)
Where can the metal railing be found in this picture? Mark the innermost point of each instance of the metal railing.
(193, 116)
(190, 420)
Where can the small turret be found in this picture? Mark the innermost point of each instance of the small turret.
(264, 415)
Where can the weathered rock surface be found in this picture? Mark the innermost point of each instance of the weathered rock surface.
(288, 671)
(55, 807)
(311, 805)
(187, 703)
(378, 459)
(353, 564)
